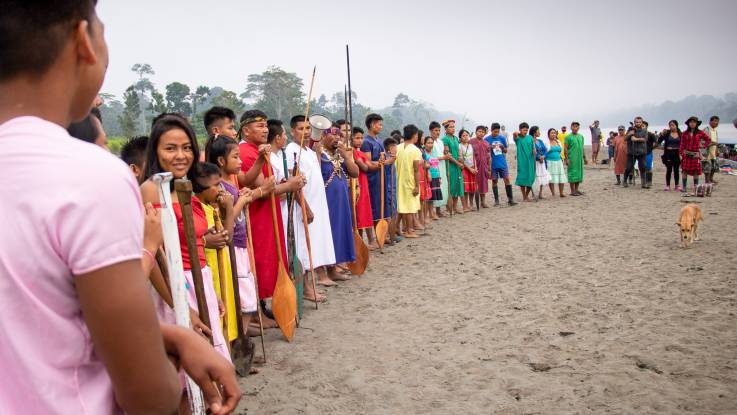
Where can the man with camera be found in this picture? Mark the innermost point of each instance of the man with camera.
(636, 139)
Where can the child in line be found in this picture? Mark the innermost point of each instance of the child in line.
(408, 162)
(470, 186)
(434, 174)
(364, 219)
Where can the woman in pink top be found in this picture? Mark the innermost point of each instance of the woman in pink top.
(80, 334)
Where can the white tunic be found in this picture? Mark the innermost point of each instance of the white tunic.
(277, 164)
(321, 237)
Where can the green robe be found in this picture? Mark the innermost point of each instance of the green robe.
(456, 177)
(525, 161)
(574, 142)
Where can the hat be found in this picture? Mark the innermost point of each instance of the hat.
(694, 118)
(331, 130)
(253, 118)
(446, 122)
(621, 127)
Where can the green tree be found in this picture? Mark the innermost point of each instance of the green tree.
(177, 94)
(198, 97)
(131, 113)
(401, 100)
(276, 92)
(145, 88)
(229, 99)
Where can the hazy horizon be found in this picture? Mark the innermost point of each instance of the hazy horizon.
(489, 59)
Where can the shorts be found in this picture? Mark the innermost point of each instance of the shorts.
(611, 152)
(246, 282)
(709, 166)
(499, 172)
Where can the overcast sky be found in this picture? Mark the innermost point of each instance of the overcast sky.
(491, 59)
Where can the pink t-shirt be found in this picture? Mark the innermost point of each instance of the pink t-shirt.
(68, 208)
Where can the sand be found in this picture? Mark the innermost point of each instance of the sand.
(573, 306)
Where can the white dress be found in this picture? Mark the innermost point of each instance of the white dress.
(277, 165)
(321, 236)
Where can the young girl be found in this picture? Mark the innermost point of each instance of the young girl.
(364, 218)
(425, 190)
(434, 173)
(555, 163)
(542, 177)
(690, 151)
(420, 223)
(671, 140)
(223, 152)
(465, 153)
(173, 148)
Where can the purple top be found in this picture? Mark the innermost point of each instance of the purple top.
(239, 232)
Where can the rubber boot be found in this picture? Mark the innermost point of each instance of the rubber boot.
(649, 178)
(510, 200)
(496, 195)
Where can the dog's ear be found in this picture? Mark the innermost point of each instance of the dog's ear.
(678, 224)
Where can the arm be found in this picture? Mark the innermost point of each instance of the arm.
(350, 165)
(418, 177)
(361, 165)
(143, 379)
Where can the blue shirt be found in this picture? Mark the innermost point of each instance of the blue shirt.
(498, 144)
(373, 146)
(540, 149)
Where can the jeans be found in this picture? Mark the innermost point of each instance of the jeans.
(641, 164)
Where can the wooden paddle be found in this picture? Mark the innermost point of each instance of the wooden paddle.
(224, 294)
(252, 263)
(183, 188)
(284, 300)
(241, 350)
(176, 276)
(382, 227)
(357, 267)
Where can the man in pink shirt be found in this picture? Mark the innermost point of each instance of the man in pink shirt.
(79, 332)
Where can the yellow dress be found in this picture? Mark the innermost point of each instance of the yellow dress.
(211, 257)
(407, 154)
(562, 139)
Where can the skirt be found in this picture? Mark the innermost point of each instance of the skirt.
(218, 339)
(542, 177)
(246, 282)
(435, 192)
(425, 191)
(469, 182)
(557, 171)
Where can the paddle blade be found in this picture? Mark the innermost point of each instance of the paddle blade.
(382, 227)
(358, 267)
(284, 303)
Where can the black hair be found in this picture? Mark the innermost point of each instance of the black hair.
(84, 130)
(134, 150)
(95, 112)
(203, 171)
(253, 114)
(714, 118)
(495, 126)
(390, 142)
(296, 120)
(550, 130)
(218, 146)
(646, 123)
(357, 130)
(340, 123)
(164, 123)
(480, 127)
(409, 131)
(533, 130)
(215, 114)
(638, 117)
(420, 134)
(276, 128)
(395, 134)
(433, 125)
(33, 33)
(463, 130)
(524, 125)
(678, 127)
(372, 118)
(575, 123)
(429, 137)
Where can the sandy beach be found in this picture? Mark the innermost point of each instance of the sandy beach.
(585, 305)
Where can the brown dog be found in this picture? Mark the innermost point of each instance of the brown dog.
(688, 223)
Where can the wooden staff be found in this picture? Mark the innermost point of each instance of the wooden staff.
(221, 275)
(382, 227)
(241, 349)
(302, 204)
(252, 263)
(357, 267)
(176, 276)
(183, 188)
(284, 301)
